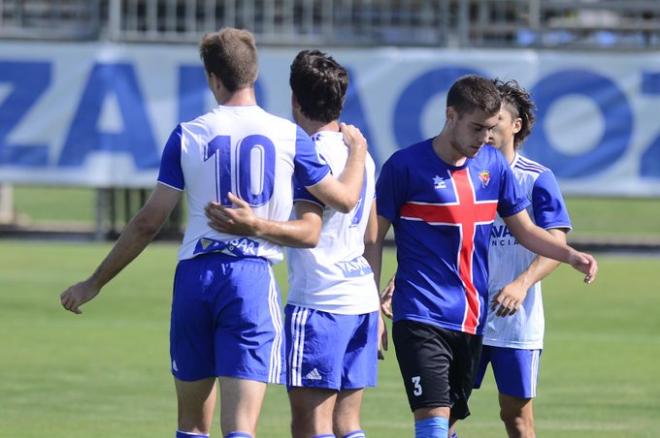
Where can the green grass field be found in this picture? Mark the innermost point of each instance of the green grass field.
(106, 373)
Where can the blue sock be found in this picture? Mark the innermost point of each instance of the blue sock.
(325, 435)
(356, 434)
(238, 435)
(434, 427)
(180, 434)
(454, 435)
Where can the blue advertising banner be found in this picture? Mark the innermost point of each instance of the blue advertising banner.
(98, 114)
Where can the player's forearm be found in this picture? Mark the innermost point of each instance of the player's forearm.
(295, 233)
(373, 253)
(374, 242)
(137, 234)
(540, 268)
(352, 178)
(540, 242)
(343, 193)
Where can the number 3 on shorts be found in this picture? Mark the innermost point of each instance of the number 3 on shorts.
(417, 388)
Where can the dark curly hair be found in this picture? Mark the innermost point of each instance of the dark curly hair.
(519, 99)
(319, 83)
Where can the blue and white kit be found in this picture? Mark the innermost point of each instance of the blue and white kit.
(226, 318)
(513, 344)
(332, 308)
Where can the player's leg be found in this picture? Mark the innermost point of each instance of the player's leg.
(316, 343)
(484, 360)
(195, 405)
(311, 412)
(360, 370)
(424, 355)
(346, 416)
(240, 405)
(192, 350)
(516, 374)
(518, 416)
(464, 368)
(248, 341)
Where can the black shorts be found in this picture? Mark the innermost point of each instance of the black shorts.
(438, 366)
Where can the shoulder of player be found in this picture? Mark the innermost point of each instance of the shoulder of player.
(525, 165)
(200, 125)
(409, 155)
(488, 154)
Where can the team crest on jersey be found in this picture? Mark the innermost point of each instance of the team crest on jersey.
(484, 177)
(439, 183)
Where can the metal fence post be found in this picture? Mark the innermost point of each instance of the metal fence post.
(114, 20)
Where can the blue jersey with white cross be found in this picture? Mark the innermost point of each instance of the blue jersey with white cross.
(248, 152)
(442, 217)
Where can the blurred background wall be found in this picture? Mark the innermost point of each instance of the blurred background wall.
(90, 90)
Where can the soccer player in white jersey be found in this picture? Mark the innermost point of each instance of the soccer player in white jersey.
(513, 335)
(332, 316)
(226, 322)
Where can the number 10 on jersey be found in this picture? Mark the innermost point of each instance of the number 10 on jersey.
(250, 167)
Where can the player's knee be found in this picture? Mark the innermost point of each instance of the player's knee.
(346, 423)
(517, 423)
(510, 416)
(302, 425)
(194, 423)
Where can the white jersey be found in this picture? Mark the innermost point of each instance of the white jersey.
(507, 259)
(248, 152)
(335, 277)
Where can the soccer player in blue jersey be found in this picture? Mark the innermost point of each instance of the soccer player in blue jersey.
(513, 334)
(441, 196)
(226, 324)
(332, 317)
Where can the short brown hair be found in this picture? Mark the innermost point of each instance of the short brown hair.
(319, 84)
(474, 92)
(231, 55)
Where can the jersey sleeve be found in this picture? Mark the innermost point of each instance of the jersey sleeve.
(300, 193)
(309, 168)
(390, 191)
(549, 208)
(512, 198)
(171, 173)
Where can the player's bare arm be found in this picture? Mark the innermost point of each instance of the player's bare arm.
(343, 193)
(509, 299)
(373, 253)
(134, 238)
(386, 298)
(542, 243)
(240, 220)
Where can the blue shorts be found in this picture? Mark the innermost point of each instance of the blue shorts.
(330, 350)
(516, 370)
(226, 320)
